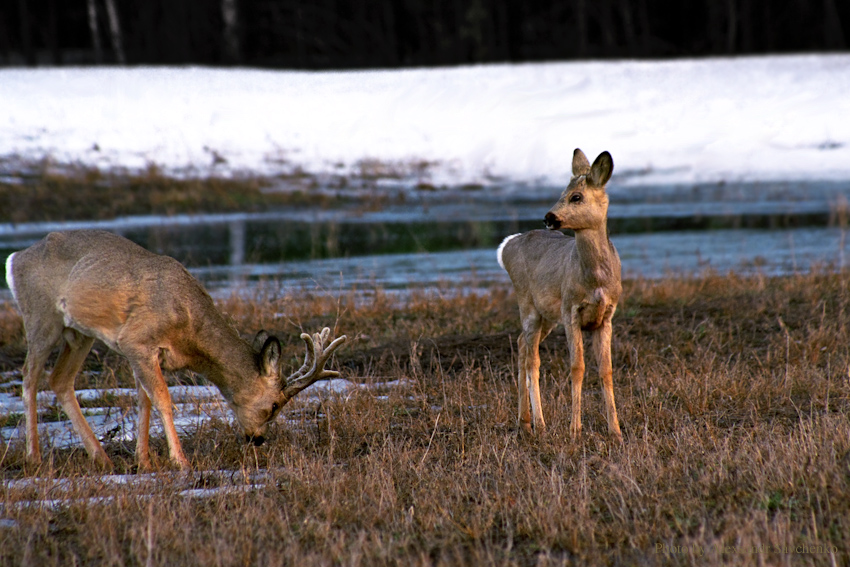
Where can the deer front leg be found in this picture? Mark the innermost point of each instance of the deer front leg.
(149, 375)
(576, 345)
(602, 350)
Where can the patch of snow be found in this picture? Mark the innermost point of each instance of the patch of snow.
(184, 485)
(193, 406)
(60, 503)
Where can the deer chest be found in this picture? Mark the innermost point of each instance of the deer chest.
(595, 310)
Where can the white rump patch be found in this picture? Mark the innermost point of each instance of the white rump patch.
(10, 278)
(501, 248)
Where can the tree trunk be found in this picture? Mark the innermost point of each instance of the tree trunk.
(606, 22)
(391, 47)
(628, 27)
(833, 34)
(299, 34)
(115, 32)
(26, 35)
(645, 30)
(731, 26)
(230, 16)
(51, 36)
(581, 23)
(95, 34)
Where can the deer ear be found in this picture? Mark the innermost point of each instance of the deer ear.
(270, 357)
(601, 171)
(260, 340)
(580, 164)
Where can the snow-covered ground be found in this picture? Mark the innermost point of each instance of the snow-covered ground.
(680, 121)
(193, 406)
(110, 487)
(114, 420)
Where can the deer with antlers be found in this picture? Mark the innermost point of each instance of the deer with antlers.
(75, 287)
(570, 280)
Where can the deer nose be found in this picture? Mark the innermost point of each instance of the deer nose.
(551, 221)
(257, 440)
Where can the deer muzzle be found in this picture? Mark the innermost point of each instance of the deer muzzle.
(256, 440)
(551, 221)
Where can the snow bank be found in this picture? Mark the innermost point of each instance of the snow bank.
(682, 121)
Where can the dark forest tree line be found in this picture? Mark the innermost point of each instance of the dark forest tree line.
(321, 34)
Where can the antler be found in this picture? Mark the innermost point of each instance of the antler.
(313, 368)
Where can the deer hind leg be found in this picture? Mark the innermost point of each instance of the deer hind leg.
(534, 378)
(534, 329)
(143, 429)
(522, 385)
(575, 342)
(75, 348)
(43, 333)
(602, 350)
(32, 371)
(149, 377)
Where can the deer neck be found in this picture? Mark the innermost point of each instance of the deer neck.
(595, 258)
(221, 354)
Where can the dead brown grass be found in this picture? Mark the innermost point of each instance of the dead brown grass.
(734, 398)
(63, 192)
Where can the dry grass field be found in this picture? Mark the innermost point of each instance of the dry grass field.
(733, 394)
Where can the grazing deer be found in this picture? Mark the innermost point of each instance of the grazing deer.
(76, 286)
(574, 281)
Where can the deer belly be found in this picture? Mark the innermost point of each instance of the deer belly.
(92, 320)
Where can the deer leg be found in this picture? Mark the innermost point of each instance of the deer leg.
(143, 429)
(149, 375)
(602, 350)
(534, 383)
(75, 348)
(522, 385)
(33, 369)
(42, 335)
(576, 346)
(530, 409)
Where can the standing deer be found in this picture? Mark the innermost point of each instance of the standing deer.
(574, 281)
(76, 286)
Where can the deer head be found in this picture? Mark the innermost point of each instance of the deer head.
(257, 408)
(584, 203)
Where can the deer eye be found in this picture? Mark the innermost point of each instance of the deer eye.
(576, 198)
(275, 407)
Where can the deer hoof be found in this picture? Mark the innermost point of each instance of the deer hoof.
(102, 462)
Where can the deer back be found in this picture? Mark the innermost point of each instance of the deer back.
(538, 265)
(105, 286)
